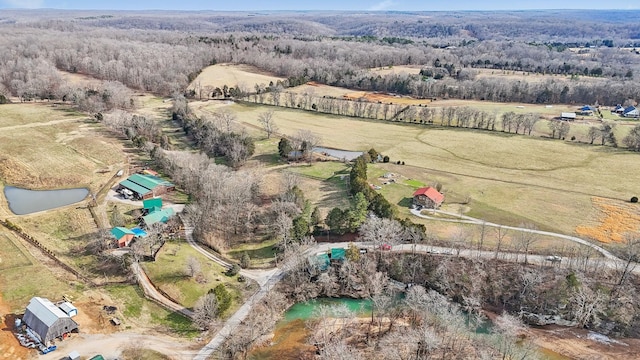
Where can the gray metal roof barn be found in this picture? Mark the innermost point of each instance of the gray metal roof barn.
(47, 320)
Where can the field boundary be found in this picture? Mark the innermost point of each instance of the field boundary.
(45, 251)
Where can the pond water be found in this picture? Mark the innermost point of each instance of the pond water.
(339, 154)
(23, 201)
(306, 310)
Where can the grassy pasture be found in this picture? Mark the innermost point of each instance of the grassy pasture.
(45, 155)
(168, 273)
(22, 276)
(137, 309)
(232, 75)
(509, 178)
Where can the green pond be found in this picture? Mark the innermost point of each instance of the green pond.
(306, 310)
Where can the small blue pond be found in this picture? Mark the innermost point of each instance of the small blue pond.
(23, 201)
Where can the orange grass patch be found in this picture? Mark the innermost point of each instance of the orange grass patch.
(616, 219)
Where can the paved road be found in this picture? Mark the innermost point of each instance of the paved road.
(235, 320)
(470, 220)
(151, 292)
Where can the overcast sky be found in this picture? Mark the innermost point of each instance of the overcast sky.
(249, 5)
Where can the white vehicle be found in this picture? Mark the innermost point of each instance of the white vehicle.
(553, 258)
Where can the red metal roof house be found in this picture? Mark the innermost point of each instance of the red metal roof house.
(428, 197)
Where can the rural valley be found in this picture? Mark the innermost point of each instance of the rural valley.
(319, 184)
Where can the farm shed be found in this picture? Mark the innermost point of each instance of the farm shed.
(68, 309)
(568, 116)
(146, 186)
(123, 236)
(428, 197)
(151, 205)
(46, 320)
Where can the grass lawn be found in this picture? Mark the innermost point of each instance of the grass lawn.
(261, 254)
(321, 170)
(168, 272)
(136, 308)
(415, 183)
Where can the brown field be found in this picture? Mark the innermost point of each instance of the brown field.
(616, 220)
(232, 75)
(396, 69)
(510, 179)
(79, 79)
(527, 76)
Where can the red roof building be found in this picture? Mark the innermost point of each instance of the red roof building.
(428, 197)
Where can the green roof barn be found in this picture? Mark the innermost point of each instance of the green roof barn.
(146, 186)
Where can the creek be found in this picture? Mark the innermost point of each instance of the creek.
(23, 201)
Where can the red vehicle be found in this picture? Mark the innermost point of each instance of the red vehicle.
(385, 247)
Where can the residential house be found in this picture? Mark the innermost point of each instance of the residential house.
(619, 109)
(123, 236)
(631, 112)
(157, 216)
(586, 110)
(428, 197)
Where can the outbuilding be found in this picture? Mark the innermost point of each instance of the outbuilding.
(146, 186)
(68, 308)
(47, 321)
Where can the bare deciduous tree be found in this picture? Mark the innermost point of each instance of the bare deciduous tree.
(205, 311)
(268, 123)
(192, 267)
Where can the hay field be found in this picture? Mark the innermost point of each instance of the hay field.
(396, 69)
(232, 75)
(509, 178)
(46, 147)
(528, 77)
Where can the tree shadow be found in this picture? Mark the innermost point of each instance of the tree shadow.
(405, 202)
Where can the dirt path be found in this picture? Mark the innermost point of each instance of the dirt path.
(151, 292)
(10, 348)
(111, 346)
(470, 220)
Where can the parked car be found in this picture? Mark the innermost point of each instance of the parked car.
(385, 247)
(553, 258)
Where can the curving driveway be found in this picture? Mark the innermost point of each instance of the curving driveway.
(470, 220)
(151, 292)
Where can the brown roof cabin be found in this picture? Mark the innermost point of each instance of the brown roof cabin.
(428, 197)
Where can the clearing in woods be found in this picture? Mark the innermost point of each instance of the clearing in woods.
(508, 178)
(232, 75)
